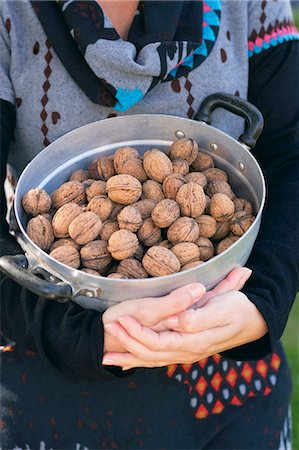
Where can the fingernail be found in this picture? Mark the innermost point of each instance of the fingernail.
(247, 273)
(196, 290)
(172, 322)
(108, 361)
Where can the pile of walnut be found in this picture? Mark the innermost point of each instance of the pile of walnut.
(133, 217)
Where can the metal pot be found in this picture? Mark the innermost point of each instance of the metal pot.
(77, 149)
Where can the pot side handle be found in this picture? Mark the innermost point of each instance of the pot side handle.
(16, 268)
(238, 106)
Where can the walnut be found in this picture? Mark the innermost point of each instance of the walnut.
(185, 149)
(124, 189)
(241, 204)
(145, 207)
(206, 248)
(69, 192)
(36, 201)
(197, 177)
(207, 225)
(165, 213)
(85, 227)
(129, 218)
(63, 217)
(184, 229)
(122, 155)
(152, 190)
(202, 162)
(208, 204)
(131, 268)
(191, 199)
(102, 168)
(159, 261)
(67, 255)
(90, 272)
(122, 244)
(95, 255)
(65, 241)
(219, 187)
(109, 227)
(149, 234)
(225, 244)
(117, 276)
(165, 244)
(139, 252)
(101, 205)
(191, 265)
(40, 232)
(186, 252)
(172, 184)
(134, 167)
(98, 187)
(223, 230)
(157, 165)
(222, 207)
(116, 210)
(241, 222)
(79, 175)
(213, 174)
(180, 166)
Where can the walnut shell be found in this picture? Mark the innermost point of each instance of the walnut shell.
(152, 190)
(102, 168)
(241, 204)
(65, 241)
(191, 265)
(223, 230)
(116, 210)
(213, 174)
(36, 201)
(124, 189)
(40, 232)
(159, 261)
(185, 149)
(145, 207)
(69, 192)
(139, 252)
(172, 184)
(117, 276)
(206, 248)
(90, 272)
(134, 167)
(184, 229)
(225, 244)
(98, 187)
(165, 244)
(241, 222)
(101, 205)
(157, 165)
(108, 228)
(122, 244)
(197, 177)
(79, 175)
(95, 255)
(122, 155)
(202, 162)
(219, 187)
(180, 166)
(67, 255)
(222, 207)
(131, 268)
(186, 252)
(207, 225)
(191, 199)
(129, 218)
(165, 213)
(63, 217)
(149, 234)
(85, 227)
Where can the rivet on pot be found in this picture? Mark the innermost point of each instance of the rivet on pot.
(242, 166)
(179, 134)
(214, 147)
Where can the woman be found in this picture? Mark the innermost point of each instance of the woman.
(67, 63)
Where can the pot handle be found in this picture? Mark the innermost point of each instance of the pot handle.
(15, 266)
(238, 106)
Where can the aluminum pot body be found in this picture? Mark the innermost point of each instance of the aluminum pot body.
(77, 149)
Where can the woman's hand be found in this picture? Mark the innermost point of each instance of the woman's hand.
(220, 322)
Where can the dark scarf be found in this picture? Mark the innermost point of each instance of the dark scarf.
(166, 41)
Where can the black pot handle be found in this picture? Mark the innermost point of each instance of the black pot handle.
(238, 106)
(16, 268)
